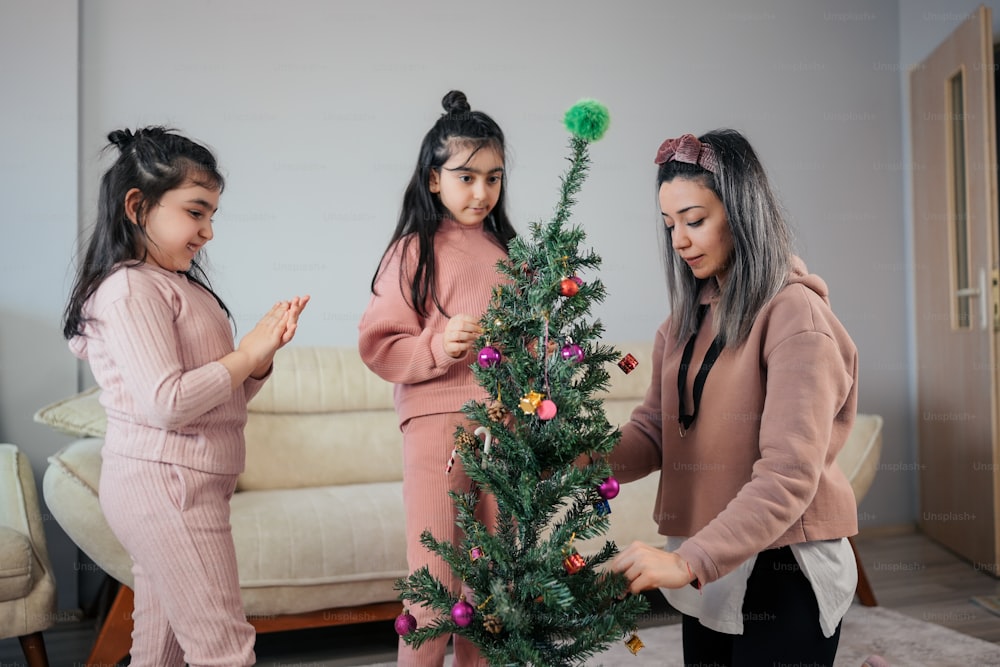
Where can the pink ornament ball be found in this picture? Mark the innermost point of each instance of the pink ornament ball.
(546, 410)
(489, 357)
(609, 488)
(578, 280)
(405, 624)
(572, 352)
(462, 613)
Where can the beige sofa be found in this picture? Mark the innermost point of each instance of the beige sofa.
(318, 514)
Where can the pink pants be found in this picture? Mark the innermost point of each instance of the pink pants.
(427, 445)
(174, 523)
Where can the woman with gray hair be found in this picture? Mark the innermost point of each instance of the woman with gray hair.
(754, 392)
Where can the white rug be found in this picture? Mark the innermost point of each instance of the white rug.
(902, 640)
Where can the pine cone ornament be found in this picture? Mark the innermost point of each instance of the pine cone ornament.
(493, 624)
(497, 412)
(466, 440)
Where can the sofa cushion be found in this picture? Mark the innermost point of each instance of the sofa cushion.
(80, 415)
(70, 486)
(15, 564)
(321, 379)
(319, 535)
(290, 451)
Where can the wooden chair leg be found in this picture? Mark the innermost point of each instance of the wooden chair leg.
(115, 637)
(865, 593)
(33, 646)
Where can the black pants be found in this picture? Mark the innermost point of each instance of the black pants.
(780, 623)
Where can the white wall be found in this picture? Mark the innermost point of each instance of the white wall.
(38, 182)
(316, 110)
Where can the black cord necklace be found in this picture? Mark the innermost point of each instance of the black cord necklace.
(685, 420)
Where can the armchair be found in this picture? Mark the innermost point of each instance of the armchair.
(27, 586)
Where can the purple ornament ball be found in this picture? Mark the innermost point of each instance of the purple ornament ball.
(489, 356)
(609, 488)
(405, 624)
(572, 352)
(462, 613)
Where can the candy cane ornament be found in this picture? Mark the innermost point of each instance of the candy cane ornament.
(488, 441)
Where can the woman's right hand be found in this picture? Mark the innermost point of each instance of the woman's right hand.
(459, 334)
(648, 567)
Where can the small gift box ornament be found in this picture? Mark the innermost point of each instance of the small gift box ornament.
(602, 507)
(574, 562)
(634, 644)
(628, 363)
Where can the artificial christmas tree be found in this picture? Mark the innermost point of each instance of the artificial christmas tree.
(531, 598)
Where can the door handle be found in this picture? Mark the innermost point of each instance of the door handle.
(972, 292)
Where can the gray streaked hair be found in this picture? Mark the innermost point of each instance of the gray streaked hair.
(762, 240)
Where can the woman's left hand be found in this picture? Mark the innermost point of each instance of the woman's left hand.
(647, 567)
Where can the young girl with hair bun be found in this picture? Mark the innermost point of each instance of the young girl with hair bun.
(160, 345)
(432, 286)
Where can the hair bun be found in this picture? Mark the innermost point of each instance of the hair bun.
(456, 102)
(121, 138)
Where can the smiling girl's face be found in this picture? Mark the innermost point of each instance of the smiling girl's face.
(178, 226)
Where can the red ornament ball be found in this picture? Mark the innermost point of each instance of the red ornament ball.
(609, 488)
(489, 357)
(569, 287)
(405, 624)
(572, 352)
(462, 613)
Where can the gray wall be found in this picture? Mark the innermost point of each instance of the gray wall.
(39, 172)
(316, 110)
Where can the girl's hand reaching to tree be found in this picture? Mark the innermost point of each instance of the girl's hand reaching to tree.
(648, 567)
(459, 335)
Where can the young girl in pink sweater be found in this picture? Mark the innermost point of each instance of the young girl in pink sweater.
(160, 345)
(433, 284)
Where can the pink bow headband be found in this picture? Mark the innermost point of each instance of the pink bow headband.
(687, 148)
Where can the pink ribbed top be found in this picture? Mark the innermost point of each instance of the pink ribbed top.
(154, 342)
(404, 348)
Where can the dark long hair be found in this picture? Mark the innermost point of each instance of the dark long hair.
(762, 240)
(154, 160)
(422, 211)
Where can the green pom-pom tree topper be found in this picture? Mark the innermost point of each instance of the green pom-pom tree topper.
(588, 120)
(534, 604)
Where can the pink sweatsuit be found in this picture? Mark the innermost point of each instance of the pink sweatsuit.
(404, 348)
(172, 452)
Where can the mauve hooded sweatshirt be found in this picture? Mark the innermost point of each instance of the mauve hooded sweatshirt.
(757, 469)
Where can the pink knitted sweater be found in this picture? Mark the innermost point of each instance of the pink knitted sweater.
(404, 348)
(757, 469)
(153, 342)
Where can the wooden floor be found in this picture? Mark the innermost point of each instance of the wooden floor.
(908, 572)
(915, 576)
